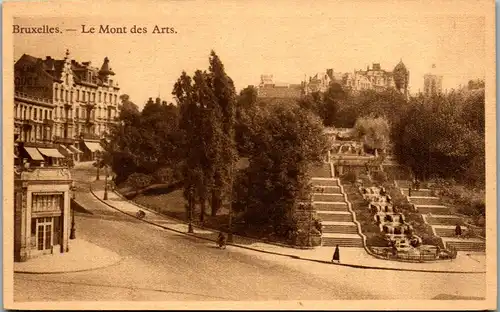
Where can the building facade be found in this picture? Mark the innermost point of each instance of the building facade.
(433, 82)
(65, 104)
(270, 89)
(42, 217)
(374, 78)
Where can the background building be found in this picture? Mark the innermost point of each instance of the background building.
(433, 82)
(374, 78)
(64, 103)
(269, 89)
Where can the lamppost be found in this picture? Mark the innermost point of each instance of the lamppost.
(72, 234)
(97, 165)
(240, 165)
(106, 183)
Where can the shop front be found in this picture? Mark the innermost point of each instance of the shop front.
(42, 212)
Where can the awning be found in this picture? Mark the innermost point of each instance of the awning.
(74, 149)
(51, 152)
(63, 149)
(33, 152)
(93, 146)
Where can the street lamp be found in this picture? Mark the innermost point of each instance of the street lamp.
(72, 234)
(190, 207)
(97, 176)
(240, 165)
(106, 184)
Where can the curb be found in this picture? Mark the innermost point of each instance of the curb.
(277, 253)
(71, 271)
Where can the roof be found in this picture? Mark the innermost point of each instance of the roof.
(54, 68)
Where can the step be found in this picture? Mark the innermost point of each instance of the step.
(438, 209)
(321, 171)
(342, 240)
(420, 201)
(465, 244)
(403, 183)
(443, 220)
(324, 181)
(447, 230)
(342, 216)
(421, 192)
(325, 189)
(339, 227)
(328, 197)
(330, 206)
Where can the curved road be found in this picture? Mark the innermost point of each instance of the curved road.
(162, 265)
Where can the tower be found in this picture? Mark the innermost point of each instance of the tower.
(401, 78)
(433, 82)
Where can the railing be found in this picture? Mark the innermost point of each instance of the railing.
(90, 136)
(62, 140)
(25, 96)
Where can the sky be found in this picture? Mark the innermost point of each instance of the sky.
(256, 40)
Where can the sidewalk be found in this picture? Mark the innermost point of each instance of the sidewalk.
(82, 256)
(354, 257)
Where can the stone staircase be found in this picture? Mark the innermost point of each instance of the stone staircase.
(440, 218)
(331, 207)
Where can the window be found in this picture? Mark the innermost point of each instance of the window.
(116, 99)
(88, 96)
(55, 93)
(46, 114)
(50, 115)
(34, 114)
(100, 96)
(77, 113)
(62, 95)
(78, 95)
(67, 95)
(83, 96)
(105, 97)
(93, 96)
(41, 114)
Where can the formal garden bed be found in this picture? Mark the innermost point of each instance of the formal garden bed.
(375, 238)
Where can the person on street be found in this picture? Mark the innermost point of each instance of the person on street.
(336, 254)
(221, 241)
(458, 231)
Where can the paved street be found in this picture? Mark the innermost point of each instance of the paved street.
(161, 265)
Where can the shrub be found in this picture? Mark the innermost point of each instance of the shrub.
(379, 177)
(350, 177)
(139, 180)
(377, 240)
(432, 240)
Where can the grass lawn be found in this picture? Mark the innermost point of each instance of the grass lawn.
(172, 204)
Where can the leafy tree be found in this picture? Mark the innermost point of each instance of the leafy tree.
(223, 130)
(374, 132)
(143, 141)
(286, 140)
(434, 140)
(138, 181)
(325, 105)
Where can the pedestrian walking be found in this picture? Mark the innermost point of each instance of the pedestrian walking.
(458, 230)
(336, 254)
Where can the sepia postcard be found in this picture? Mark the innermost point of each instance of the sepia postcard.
(335, 155)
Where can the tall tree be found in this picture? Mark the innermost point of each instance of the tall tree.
(286, 140)
(225, 97)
